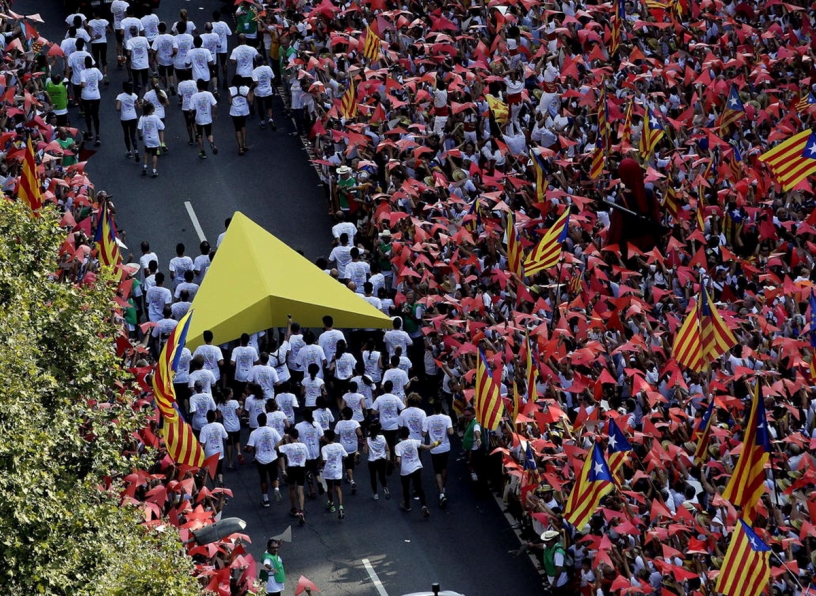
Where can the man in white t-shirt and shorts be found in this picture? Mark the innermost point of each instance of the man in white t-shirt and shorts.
(203, 103)
(333, 455)
(295, 473)
(263, 441)
(439, 428)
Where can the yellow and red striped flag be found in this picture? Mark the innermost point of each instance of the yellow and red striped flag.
(597, 165)
(105, 239)
(182, 446)
(29, 188)
(371, 48)
(792, 160)
(716, 336)
(617, 26)
(532, 370)
(514, 247)
(746, 567)
(547, 252)
(348, 103)
(603, 120)
(540, 176)
(591, 485)
(806, 102)
(703, 429)
(670, 202)
(487, 397)
(688, 343)
(747, 482)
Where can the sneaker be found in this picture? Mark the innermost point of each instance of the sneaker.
(278, 497)
(353, 487)
(330, 506)
(214, 149)
(97, 142)
(342, 513)
(272, 124)
(474, 477)
(136, 157)
(293, 512)
(129, 155)
(265, 504)
(375, 496)
(144, 171)
(387, 493)
(301, 518)
(405, 507)
(425, 512)
(262, 125)
(443, 501)
(202, 154)
(155, 174)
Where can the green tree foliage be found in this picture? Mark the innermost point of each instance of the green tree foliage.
(65, 422)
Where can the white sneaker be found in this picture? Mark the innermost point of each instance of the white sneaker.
(375, 496)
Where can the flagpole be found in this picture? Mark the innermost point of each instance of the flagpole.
(788, 569)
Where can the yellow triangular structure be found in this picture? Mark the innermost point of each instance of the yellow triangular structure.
(255, 280)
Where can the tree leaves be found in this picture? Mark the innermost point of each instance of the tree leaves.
(59, 534)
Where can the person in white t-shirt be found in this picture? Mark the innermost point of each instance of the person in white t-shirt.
(118, 12)
(264, 375)
(254, 404)
(342, 366)
(151, 128)
(397, 337)
(162, 47)
(199, 373)
(180, 264)
(138, 52)
(99, 27)
(240, 98)
(182, 43)
(399, 379)
(199, 59)
(388, 406)
(213, 358)
(243, 358)
(278, 355)
(410, 467)
(287, 402)
(90, 78)
(150, 22)
(331, 465)
(310, 433)
(295, 472)
(311, 353)
(243, 57)
(356, 401)
(231, 411)
(351, 436)
(263, 441)
(263, 77)
(379, 454)
(223, 30)
(126, 103)
(413, 416)
(212, 436)
(203, 103)
(275, 417)
(312, 387)
(157, 297)
(439, 428)
(186, 90)
(200, 404)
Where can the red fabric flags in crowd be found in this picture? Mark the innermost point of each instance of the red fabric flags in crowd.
(29, 187)
(792, 160)
(547, 252)
(105, 239)
(748, 480)
(182, 446)
(592, 484)
(371, 49)
(514, 247)
(487, 398)
(348, 103)
(746, 567)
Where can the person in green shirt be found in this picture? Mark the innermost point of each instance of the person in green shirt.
(68, 144)
(57, 92)
(272, 572)
(247, 23)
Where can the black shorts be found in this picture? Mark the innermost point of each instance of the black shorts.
(440, 461)
(312, 466)
(151, 150)
(238, 122)
(296, 476)
(214, 70)
(166, 71)
(350, 461)
(269, 470)
(184, 74)
(234, 438)
(189, 117)
(330, 484)
(204, 130)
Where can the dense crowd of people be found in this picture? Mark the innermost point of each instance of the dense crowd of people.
(461, 117)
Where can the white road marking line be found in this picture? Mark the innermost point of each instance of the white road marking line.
(374, 579)
(194, 219)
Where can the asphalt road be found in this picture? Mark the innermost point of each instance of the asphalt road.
(465, 547)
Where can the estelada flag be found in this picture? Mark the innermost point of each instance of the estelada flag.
(746, 568)
(592, 484)
(487, 397)
(792, 160)
(348, 104)
(29, 187)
